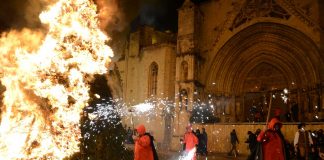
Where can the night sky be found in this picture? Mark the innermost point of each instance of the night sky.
(162, 14)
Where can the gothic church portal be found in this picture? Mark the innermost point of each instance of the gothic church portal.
(234, 52)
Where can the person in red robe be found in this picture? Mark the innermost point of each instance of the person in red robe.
(273, 142)
(191, 141)
(143, 149)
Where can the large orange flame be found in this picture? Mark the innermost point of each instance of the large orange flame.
(46, 79)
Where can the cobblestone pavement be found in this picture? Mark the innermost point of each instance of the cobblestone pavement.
(211, 156)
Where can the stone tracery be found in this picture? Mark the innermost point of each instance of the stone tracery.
(259, 8)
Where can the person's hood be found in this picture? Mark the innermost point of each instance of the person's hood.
(189, 127)
(141, 129)
(277, 112)
(273, 122)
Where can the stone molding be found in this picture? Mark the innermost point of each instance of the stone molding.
(296, 11)
(253, 9)
(159, 45)
(288, 5)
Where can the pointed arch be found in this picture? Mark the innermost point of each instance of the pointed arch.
(294, 54)
(153, 79)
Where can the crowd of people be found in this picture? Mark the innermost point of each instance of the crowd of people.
(257, 113)
(194, 142)
(271, 144)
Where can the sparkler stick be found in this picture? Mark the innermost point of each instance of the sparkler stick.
(269, 109)
(132, 120)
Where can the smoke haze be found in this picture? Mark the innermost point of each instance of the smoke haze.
(117, 17)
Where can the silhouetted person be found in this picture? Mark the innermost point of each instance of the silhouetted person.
(288, 116)
(252, 144)
(294, 111)
(204, 142)
(257, 132)
(320, 143)
(257, 153)
(199, 146)
(234, 140)
(130, 136)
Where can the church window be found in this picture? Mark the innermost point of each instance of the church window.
(153, 73)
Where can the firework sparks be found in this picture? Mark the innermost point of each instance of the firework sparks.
(46, 79)
(143, 107)
(189, 155)
(284, 95)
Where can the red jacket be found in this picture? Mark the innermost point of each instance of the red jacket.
(272, 144)
(143, 149)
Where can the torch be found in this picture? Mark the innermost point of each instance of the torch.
(269, 109)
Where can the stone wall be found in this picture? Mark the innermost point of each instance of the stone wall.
(219, 134)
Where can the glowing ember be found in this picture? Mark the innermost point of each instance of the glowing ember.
(46, 79)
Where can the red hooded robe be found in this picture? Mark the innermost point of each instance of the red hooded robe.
(191, 141)
(272, 144)
(143, 149)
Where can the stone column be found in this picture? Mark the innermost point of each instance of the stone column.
(176, 110)
(223, 106)
(237, 111)
(218, 106)
(175, 139)
(239, 108)
(305, 106)
(243, 110)
(299, 104)
(321, 107)
(230, 108)
(322, 101)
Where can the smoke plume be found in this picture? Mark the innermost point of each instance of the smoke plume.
(117, 17)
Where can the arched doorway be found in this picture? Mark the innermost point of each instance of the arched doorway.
(257, 85)
(267, 57)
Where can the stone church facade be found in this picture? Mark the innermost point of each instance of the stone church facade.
(233, 54)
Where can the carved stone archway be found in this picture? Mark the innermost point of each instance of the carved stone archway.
(281, 46)
(294, 55)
